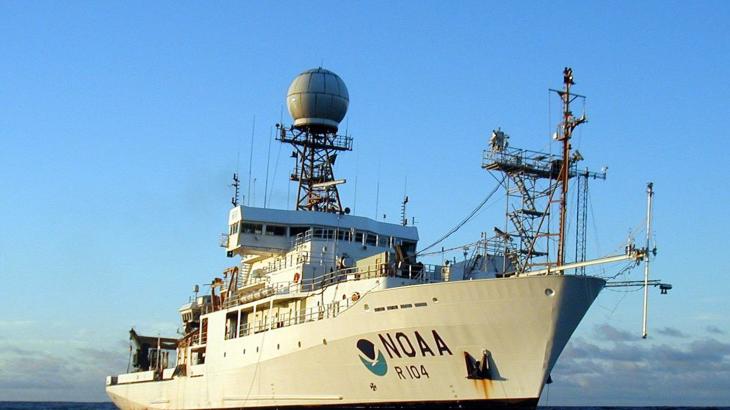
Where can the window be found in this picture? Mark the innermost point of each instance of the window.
(343, 235)
(296, 230)
(358, 237)
(371, 239)
(276, 230)
(233, 229)
(252, 228)
(409, 247)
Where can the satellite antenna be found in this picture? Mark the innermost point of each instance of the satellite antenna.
(317, 101)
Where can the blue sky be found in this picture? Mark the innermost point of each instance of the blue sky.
(122, 122)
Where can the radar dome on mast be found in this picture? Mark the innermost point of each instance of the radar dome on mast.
(318, 99)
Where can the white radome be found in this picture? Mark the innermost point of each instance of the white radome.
(318, 98)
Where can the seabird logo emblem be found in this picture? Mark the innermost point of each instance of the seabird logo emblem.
(374, 363)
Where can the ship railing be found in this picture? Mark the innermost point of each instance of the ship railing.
(421, 273)
(312, 314)
(531, 162)
(223, 240)
(319, 233)
(302, 238)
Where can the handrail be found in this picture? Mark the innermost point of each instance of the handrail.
(418, 273)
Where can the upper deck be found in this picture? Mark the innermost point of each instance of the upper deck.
(256, 231)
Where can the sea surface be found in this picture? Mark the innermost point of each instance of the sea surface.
(37, 405)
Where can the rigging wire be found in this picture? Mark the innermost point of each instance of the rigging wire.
(465, 220)
(460, 247)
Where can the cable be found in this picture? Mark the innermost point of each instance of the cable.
(449, 249)
(463, 221)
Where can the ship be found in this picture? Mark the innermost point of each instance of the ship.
(324, 309)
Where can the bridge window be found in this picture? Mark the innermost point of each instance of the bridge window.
(409, 247)
(252, 228)
(276, 230)
(343, 235)
(371, 239)
(359, 236)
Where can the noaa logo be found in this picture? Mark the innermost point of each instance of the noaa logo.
(375, 363)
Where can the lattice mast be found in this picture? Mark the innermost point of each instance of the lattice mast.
(315, 153)
(536, 183)
(567, 126)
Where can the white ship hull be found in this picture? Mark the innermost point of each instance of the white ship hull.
(523, 323)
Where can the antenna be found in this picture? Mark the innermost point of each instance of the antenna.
(236, 185)
(250, 162)
(649, 200)
(403, 217)
(568, 125)
(533, 180)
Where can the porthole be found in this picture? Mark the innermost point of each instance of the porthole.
(299, 343)
(435, 300)
(549, 292)
(366, 307)
(324, 342)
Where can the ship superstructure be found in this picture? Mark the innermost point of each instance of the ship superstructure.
(328, 309)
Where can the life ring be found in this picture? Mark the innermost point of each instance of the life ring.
(356, 296)
(296, 277)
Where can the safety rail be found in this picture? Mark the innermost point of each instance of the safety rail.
(531, 162)
(328, 311)
(320, 233)
(418, 273)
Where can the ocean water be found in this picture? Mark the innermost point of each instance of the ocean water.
(35, 405)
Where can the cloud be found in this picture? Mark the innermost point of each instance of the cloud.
(672, 332)
(714, 330)
(696, 372)
(609, 333)
(77, 374)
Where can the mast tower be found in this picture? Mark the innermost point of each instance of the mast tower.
(532, 182)
(317, 101)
